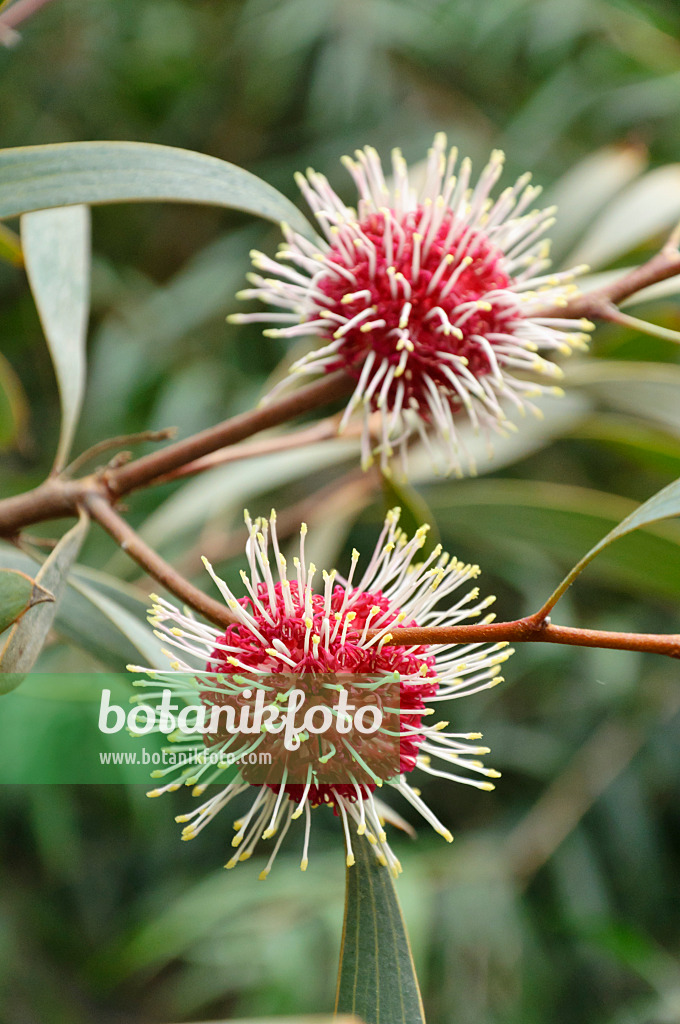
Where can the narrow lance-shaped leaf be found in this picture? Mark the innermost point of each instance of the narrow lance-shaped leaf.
(663, 505)
(586, 189)
(56, 247)
(18, 593)
(65, 174)
(562, 521)
(325, 1019)
(136, 630)
(26, 638)
(648, 206)
(377, 979)
(113, 630)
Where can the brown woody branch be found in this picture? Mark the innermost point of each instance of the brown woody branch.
(132, 544)
(147, 469)
(323, 430)
(597, 304)
(59, 497)
(535, 629)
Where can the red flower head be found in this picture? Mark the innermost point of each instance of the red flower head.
(331, 640)
(431, 299)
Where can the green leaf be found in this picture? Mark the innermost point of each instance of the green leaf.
(213, 921)
(97, 613)
(562, 520)
(326, 1019)
(377, 979)
(56, 247)
(66, 174)
(648, 446)
(18, 593)
(649, 206)
(648, 390)
(663, 505)
(27, 636)
(224, 491)
(137, 630)
(586, 188)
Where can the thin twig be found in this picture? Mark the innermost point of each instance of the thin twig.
(167, 434)
(58, 497)
(596, 304)
(238, 428)
(534, 630)
(133, 545)
(322, 431)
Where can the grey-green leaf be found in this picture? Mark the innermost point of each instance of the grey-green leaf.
(663, 505)
(113, 630)
(56, 245)
(28, 635)
(585, 189)
(647, 390)
(377, 979)
(18, 593)
(326, 1019)
(223, 490)
(647, 207)
(562, 521)
(138, 632)
(65, 174)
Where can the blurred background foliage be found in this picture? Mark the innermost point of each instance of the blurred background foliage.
(559, 900)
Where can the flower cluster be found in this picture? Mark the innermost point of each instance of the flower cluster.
(434, 300)
(285, 627)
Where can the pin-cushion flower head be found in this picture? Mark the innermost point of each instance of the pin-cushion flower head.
(433, 299)
(295, 627)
